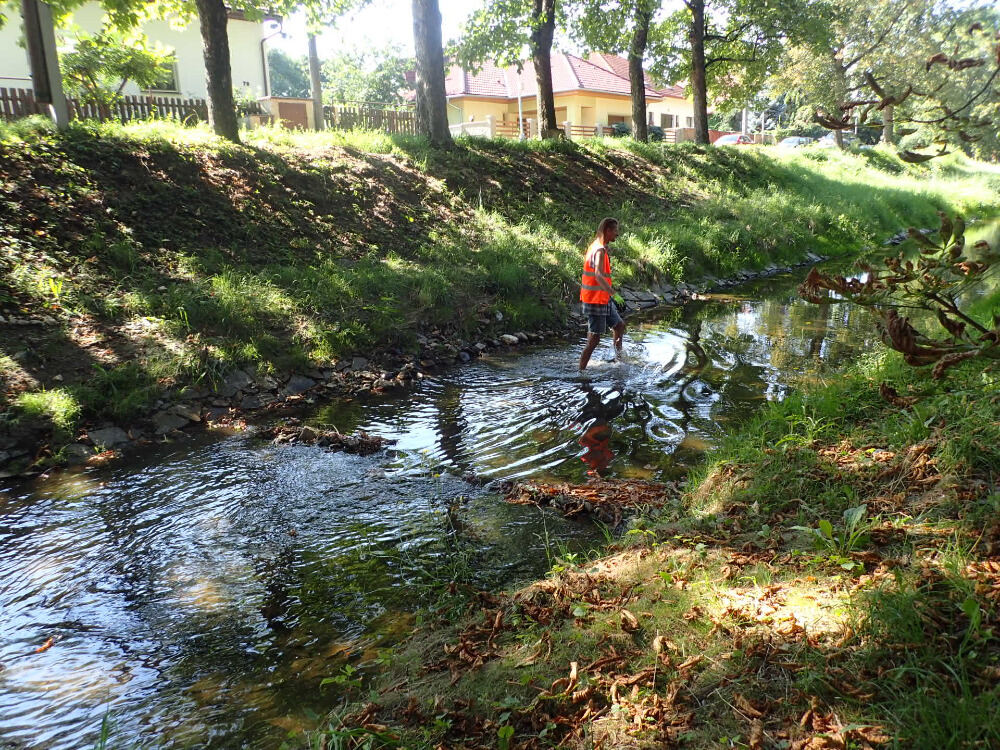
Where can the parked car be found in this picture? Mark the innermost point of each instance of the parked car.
(795, 141)
(734, 139)
(829, 140)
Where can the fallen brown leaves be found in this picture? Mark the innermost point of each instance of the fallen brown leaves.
(826, 732)
(606, 499)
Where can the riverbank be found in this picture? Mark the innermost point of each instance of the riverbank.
(153, 277)
(830, 578)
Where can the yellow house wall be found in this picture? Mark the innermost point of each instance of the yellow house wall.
(682, 108)
(579, 108)
(469, 109)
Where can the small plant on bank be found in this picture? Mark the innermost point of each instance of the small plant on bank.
(935, 280)
(840, 544)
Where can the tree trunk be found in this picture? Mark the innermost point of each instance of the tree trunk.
(541, 55)
(432, 102)
(636, 75)
(699, 86)
(888, 125)
(218, 74)
(315, 85)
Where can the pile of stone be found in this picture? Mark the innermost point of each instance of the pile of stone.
(360, 443)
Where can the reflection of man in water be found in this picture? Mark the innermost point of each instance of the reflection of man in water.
(596, 438)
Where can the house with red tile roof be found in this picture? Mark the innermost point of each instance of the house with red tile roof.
(588, 92)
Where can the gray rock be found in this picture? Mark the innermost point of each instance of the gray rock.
(509, 339)
(464, 357)
(233, 383)
(193, 392)
(77, 453)
(239, 378)
(480, 347)
(215, 413)
(250, 402)
(522, 337)
(109, 437)
(266, 382)
(359, 363)
(298, 384)
(190, 412)
(166, 421)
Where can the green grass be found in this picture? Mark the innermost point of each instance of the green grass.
(893, 632)
(58, 408)
(295, 249)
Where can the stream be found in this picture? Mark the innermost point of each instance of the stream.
(197, 595)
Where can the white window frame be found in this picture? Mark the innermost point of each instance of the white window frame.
(176, 89)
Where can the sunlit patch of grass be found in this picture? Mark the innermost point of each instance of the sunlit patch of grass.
(57, 407)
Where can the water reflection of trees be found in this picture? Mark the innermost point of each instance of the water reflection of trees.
(451, 426)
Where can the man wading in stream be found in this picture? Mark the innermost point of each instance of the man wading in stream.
(596, 293)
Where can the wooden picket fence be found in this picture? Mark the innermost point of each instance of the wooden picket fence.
(508, 128)
(18, 103)
(130, 108)
(391, 121)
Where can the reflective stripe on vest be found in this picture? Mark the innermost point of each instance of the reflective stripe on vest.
(590, 292)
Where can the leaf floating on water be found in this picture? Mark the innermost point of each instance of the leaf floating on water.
(45, 646)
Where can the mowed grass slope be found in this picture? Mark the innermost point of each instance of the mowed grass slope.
(158, 255)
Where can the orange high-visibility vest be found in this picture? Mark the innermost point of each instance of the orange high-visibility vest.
(590, 292)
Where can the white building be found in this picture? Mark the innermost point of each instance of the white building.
(246, 53)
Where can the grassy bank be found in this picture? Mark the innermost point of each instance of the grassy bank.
(148, 257)
(830, 579)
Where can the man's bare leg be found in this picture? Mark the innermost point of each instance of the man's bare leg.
(619, 331)
(593, 339)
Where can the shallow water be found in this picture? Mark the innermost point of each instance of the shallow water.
(199, 594)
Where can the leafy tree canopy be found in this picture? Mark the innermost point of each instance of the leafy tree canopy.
(933, 66)
(501, 32)
(367, 76)
(289, 76)
(97, 67)
(608, 26)
(744, 41)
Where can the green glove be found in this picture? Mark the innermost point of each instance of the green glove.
(619, 300)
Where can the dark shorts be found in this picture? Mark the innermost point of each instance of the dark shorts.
(601, 317)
